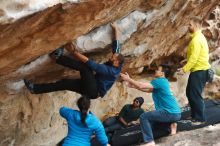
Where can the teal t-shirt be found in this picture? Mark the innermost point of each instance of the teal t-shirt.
(163, 97)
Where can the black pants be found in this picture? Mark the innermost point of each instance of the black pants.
(111, 124)
(86, 85)
(194, 89)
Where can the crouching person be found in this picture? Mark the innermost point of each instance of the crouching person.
(167, 108)
(82, 125)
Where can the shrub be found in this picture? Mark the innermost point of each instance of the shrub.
(217, 71)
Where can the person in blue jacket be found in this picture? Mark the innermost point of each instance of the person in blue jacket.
(82, 125)
(90, 84)
(167, 109)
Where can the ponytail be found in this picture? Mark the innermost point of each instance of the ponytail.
(83, 104)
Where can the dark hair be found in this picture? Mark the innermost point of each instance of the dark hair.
(83, 104)
(166, 69)
(121, 58)
(140, 100)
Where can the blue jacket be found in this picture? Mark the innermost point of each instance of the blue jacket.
(106, 74)
(78, 133)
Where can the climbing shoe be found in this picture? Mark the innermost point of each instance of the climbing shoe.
(57, 53)
(29, 85)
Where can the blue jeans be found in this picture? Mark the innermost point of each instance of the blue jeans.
(149, 118)
(194, 89)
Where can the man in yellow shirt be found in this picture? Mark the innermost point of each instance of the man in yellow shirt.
(198, 65)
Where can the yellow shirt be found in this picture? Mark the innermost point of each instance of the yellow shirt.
(197, 53)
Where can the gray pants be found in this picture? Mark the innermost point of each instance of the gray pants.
(111, 124)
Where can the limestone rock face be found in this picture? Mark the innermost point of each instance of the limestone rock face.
(12, 10)
(40, 33)
(152, 32)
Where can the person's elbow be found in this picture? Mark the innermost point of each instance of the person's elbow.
(62, 111)
(193, 61)
(121, 119)
(150, 90)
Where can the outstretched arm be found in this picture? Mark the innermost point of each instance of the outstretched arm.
(146, 87)
(71, 48)
(115, 31)
(115, 43)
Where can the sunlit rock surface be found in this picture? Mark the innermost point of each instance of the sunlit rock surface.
(152, 32)
(11, 10)
(207, 136)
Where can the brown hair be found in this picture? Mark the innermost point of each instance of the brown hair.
(120, 59)
(196, 20)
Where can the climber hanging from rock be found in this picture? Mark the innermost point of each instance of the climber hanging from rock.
(90, 85)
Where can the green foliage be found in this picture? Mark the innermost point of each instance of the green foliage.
(217, 71)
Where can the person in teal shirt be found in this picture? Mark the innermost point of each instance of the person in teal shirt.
(82, 125)
(166, 110)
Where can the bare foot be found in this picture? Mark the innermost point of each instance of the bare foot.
(173, 128)
(152, 143)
